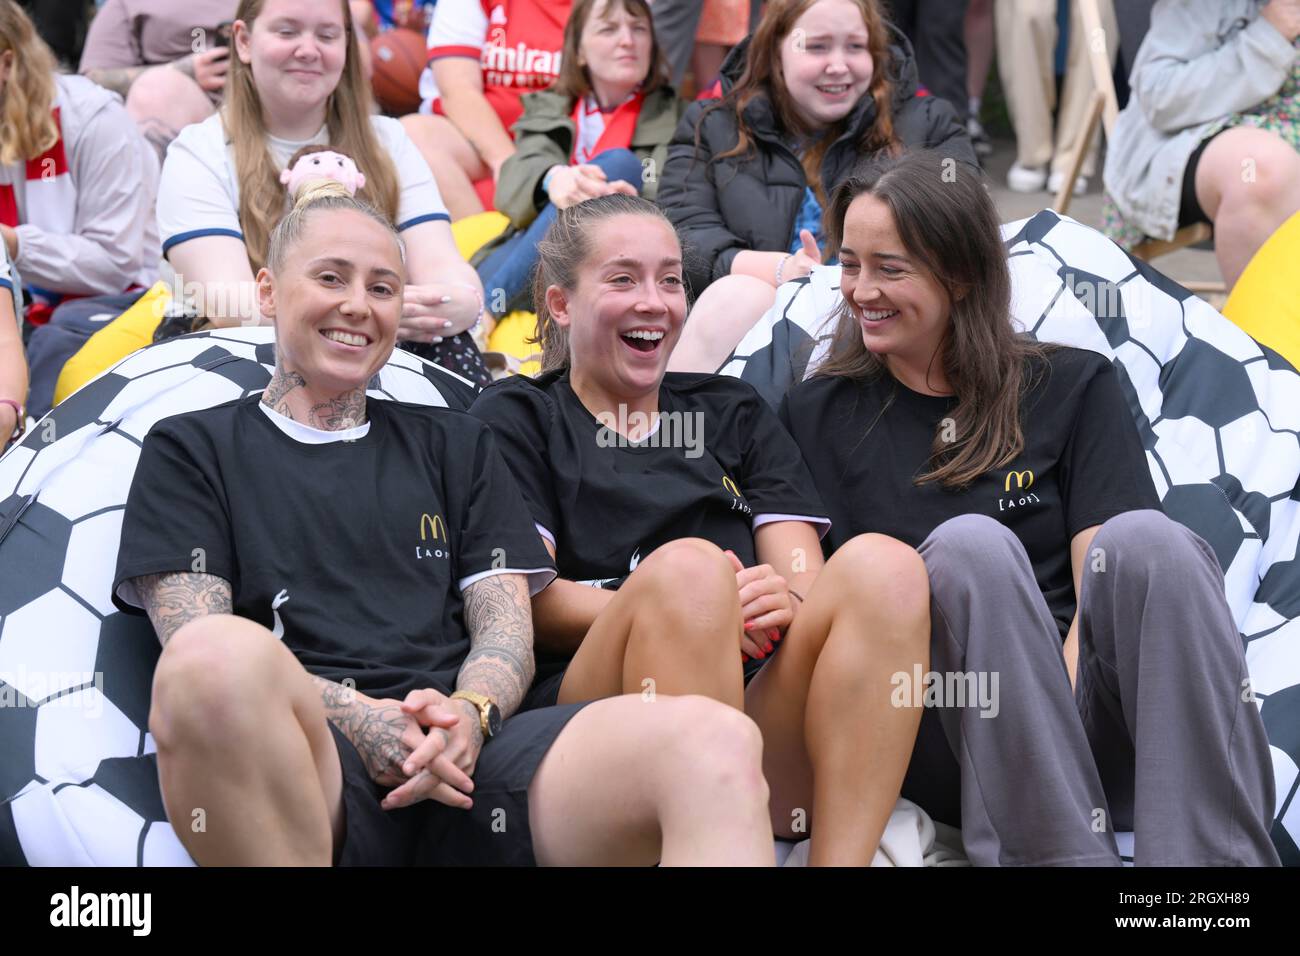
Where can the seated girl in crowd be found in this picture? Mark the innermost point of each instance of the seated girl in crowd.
(685, 530)
(610, 114)
(362, 709)
(77, 187)
(1211, 132)
(1017, 471)
(820, 84)
(479, 70)
(295, 80)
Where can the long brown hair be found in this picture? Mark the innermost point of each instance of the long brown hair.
(560, 255)
(27, 126)
(262, 199)
(574, 81)
(762, 77)
(947, 223)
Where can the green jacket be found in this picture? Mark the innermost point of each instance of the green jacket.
(544, 137)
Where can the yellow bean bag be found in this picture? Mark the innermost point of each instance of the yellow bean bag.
(474, 232)
(511, 334)
(511, 337)
(131, 330)
(1263, 302)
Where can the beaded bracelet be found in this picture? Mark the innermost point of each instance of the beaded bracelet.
(482, 303)
(780, 267)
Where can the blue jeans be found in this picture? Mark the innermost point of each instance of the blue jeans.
(508, 268)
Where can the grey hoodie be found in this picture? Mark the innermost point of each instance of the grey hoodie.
(1201, 61)
(114, 241)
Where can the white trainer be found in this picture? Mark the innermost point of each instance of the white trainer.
(1026, 179)
(1055, 180)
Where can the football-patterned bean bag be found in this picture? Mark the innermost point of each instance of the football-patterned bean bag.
(1219, 415)
(78, 779)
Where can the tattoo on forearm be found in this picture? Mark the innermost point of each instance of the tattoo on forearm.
(376, 732)
(117, 80)
(342, 411)
(174, 598)
(500, 662)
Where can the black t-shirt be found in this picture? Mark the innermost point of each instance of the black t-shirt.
(1083, 462)
(718, 465)
(354, 552)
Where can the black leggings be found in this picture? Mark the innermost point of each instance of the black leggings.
(1189, 208)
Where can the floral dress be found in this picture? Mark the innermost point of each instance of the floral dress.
(1278, 114)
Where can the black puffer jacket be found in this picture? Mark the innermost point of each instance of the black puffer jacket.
(751, 201)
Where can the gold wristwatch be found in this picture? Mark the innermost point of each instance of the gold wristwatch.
(489, 714)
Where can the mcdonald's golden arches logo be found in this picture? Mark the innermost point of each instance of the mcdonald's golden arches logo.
(433, 528)
(1024, 480)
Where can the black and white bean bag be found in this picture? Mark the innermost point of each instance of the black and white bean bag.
(78, 779)
(1218, 413)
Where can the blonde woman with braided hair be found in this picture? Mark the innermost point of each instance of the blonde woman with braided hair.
(296, 79)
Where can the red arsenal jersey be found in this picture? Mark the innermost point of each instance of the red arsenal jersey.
(517, 42)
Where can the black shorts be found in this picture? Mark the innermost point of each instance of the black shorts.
(494, 832)
(1189, 207)
(545, 691)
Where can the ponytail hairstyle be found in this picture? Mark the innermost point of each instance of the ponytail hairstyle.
(347, 119)
(27, 126)
(313, 196)
(948, 224)
(560, 255)
(762, 77)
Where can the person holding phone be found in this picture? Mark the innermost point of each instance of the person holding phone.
(168, 61)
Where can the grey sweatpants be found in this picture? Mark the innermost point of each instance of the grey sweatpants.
(1159, 735)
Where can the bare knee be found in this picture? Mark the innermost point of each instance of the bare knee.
(709, 748)
(1257, 171)
(168, 96)
(731, 305)
(881, 573)
(689, 566)
(212, 675)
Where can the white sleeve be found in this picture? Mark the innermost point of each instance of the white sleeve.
(538, 578)
(820, 525)
(196, 196)
(419, 200)
(459, 28)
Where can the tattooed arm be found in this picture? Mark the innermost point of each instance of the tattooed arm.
(500, 661)
(174, 598)
(382, 733)
(118, 80)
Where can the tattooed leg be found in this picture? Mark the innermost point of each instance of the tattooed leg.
(249, 770)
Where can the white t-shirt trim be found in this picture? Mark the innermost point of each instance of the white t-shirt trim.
(545, 533)
(538, 578)
(821, 524)
(198, 194)
(312, 436)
